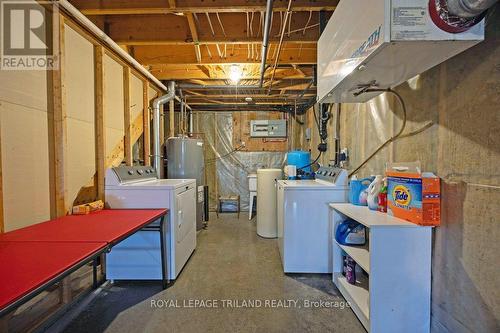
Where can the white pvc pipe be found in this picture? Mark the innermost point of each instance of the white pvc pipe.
(83, 20)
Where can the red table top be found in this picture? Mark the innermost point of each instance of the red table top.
(107, 225)
(31, 256)
(26, 266)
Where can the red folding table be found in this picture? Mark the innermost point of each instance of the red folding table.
(38, 256)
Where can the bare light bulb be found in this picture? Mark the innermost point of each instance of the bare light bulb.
(235, 73)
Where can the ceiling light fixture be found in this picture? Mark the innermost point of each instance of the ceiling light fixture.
(235, 74)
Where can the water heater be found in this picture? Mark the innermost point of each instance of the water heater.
(185, 160)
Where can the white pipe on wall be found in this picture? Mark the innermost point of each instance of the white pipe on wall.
(83, 20)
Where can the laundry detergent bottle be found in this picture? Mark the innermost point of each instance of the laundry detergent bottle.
(373, 191)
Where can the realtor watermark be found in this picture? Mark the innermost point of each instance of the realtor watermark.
(27, 35)
(249, 303)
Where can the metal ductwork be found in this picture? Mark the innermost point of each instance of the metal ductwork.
(265, 40)
(457, 16)
(157, 157)
(469, 8)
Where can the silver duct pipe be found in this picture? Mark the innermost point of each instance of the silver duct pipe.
(157, 157)
(265, 40)
(469, 8)
(191, 122)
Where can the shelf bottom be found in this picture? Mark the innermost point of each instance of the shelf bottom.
(357, 295)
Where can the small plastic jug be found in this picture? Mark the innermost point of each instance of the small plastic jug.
(373, 191)
(356, 187)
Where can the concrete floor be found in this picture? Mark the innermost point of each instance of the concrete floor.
(231, 263)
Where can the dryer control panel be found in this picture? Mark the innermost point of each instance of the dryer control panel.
(334, 175)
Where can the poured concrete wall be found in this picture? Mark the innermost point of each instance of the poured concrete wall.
(462, 98)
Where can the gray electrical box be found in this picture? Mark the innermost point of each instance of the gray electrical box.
(268, 128)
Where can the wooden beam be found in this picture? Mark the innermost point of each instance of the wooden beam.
(60, 134)
(194, 35)
(171, 3)
(228, 40)
(100, 142)
(145, 115)
(161, 54)
(126, 109)
(144, 7)
(176, 30)
(250, 72)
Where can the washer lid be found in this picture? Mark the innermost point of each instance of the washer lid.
(156, 184)
(309, 184)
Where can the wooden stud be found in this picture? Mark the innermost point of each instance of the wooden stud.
(146, 131)
(126, 104)
(171, 3)
(60, 140)
(99, 120)
(60, 135)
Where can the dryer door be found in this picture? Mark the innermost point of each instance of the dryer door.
(186, 213)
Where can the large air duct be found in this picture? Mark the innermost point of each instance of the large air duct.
(469, 8)
(157, 157)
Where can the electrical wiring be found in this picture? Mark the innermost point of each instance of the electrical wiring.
(213, 160)
(312, 163)
(397, 136)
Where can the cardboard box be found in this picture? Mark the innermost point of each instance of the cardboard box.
(413, 196)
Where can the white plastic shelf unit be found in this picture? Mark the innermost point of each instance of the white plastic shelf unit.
(396, 296)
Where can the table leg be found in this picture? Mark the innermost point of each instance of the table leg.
(94, 273)
(163, 255)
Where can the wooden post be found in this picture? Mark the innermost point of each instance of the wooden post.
(146, 131)
(60, 135)
(172, 118)
(100, 141)
(126, 105)
(60, 140)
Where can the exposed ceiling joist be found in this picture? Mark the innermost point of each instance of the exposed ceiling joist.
(232, 29)
(156, 55)
(188, 72)
(148, 7)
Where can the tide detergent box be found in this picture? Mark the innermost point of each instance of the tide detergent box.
(412, 195)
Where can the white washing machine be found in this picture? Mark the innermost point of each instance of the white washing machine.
(304, 230)
(138, 257)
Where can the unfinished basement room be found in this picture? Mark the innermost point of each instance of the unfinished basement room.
(250, 166)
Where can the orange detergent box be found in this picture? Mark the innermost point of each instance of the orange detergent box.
(412, 195)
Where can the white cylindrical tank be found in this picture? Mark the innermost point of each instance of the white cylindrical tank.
(267, 225)
(252, 182)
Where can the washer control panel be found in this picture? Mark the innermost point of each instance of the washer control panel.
(334, 175)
